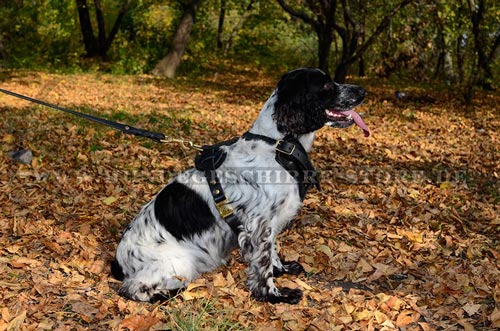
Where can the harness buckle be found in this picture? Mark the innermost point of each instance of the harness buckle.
(224, 208)
(284, 151)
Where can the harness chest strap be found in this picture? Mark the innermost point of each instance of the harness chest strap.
(292, 156)
(209, 160)
(289, 153)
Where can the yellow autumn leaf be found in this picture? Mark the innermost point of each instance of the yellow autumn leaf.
(325, 249)
(303, 284)
(109, 200)
(219, 280)
(380, 317)
(415, 236)
(17, 321)
(445, 185)
(8, 138)
(349, 308)
(383, 297)
(361, 315)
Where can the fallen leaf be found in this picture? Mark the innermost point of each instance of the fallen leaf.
(5, 314)
(8, 138)
(84, 309)
(445, 185)
(139, 323)
(380, 317)
(361, 315)
(17, 322)
(303, 284)
(325, 249)
(219, 280)
(407, 317)
(109, 200)
(13, 248)
(466, 325)
(364, 266)
(21, 262)
(495, 315)
(471, 308)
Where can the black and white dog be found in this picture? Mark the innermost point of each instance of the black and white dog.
(180, 234)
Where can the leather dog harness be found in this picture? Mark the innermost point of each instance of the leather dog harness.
(290, 154)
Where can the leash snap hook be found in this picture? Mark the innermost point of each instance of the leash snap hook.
(185, 143)
(192, 145)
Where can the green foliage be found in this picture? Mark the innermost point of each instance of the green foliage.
(40, 34)
(146, 34)
(275, 41)
(46, 34)
(267, 39)
(428, 39)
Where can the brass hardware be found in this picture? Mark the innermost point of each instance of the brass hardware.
(224, 208)
(185, 143)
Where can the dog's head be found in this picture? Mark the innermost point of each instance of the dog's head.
(308, 99)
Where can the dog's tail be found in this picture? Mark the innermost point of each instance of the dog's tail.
(116, 270)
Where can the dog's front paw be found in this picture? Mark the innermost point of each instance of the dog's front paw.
(290, 268)
(293, 268)
(286, 295)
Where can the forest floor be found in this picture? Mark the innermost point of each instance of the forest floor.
(404, 234)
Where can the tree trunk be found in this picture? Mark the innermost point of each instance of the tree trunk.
(441, 44)
(220, 27)
(476, 17)
(101, 28)
(362, 31)
(343, 64)
(325, 40)
(341, 72)
(89, 41)
(351, 51)
(238, 26)
(98, 46)
(361, 67)
(169, 64)
(460, 56)
(114, 30)
(449, 71)
(3, 54)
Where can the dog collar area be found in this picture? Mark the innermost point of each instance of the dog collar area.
(292, 156)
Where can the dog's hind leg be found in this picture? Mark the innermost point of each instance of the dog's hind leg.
(257, 249)
(151, 291)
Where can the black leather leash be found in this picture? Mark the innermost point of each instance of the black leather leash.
(156, 136)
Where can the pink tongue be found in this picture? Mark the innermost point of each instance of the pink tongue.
(357, 119)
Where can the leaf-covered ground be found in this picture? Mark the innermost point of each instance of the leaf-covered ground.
(404, 234)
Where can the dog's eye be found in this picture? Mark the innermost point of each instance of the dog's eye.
(328, 86)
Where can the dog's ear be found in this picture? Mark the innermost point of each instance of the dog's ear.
(298, 110)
